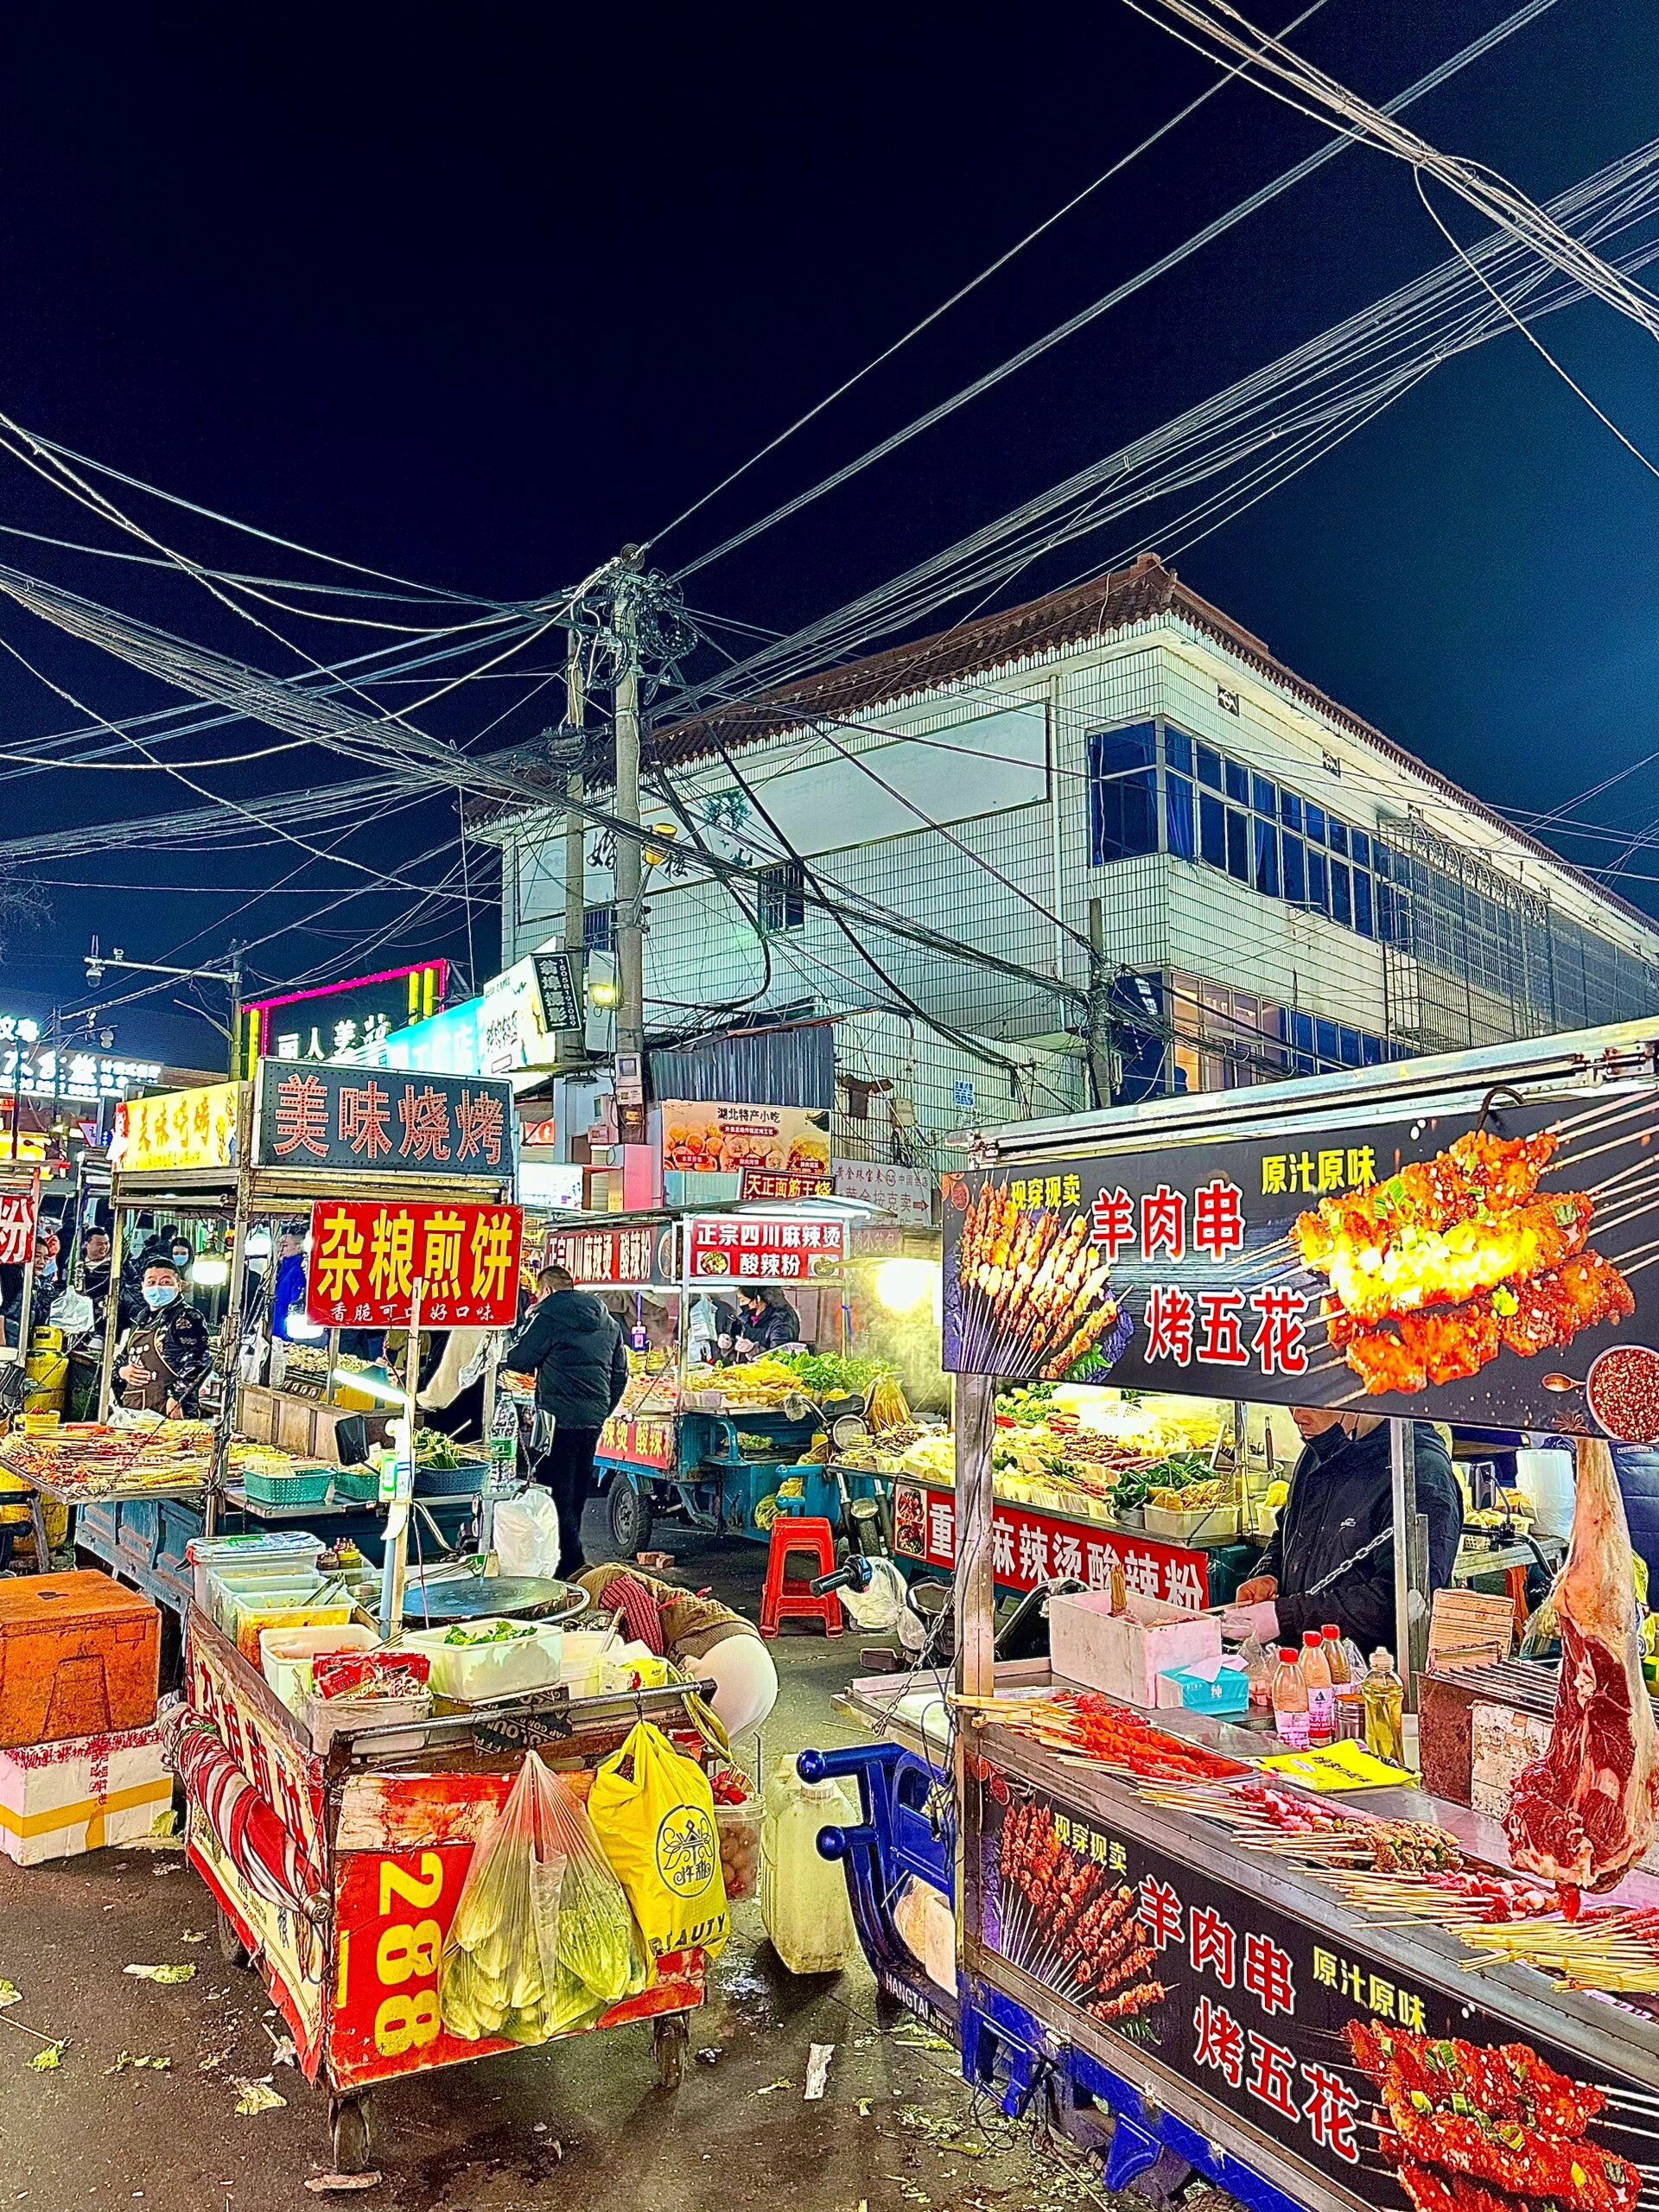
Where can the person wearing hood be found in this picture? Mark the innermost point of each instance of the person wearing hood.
(575, 1352)
(165, 1356)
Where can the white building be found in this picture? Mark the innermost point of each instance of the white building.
(1281, 888)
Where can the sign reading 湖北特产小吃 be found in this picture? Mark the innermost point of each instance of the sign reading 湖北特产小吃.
(366, 1257)
(767, 1248)
(1424, 1262)
(375, 1120)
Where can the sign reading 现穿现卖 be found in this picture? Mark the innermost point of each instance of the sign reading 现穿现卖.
(374, 1119)
(1420, 1263)
(367, 1257)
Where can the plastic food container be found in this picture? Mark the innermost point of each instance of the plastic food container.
(739, 1828)
(329, 1717)
(211, 1554)
(581, 1662)
(251, 1612)
(286, 1656)
(1202, 1524)
(469, 1671)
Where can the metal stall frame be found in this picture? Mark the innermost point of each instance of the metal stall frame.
(1028, 2044)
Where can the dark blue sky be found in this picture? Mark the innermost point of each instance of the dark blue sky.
(477, 297)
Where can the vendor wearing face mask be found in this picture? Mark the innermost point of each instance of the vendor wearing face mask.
(166, 1355)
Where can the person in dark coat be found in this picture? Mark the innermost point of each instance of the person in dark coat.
(764, 1321)
(1341, 1499)
(575, 1352)
(165, 1357)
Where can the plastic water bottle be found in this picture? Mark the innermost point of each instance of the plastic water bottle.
(1290, 1702)
(1321, 1691)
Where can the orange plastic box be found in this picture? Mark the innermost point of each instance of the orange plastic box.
(79, 1656)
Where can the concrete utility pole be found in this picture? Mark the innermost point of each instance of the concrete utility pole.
(573, 1043)
(630, 905)
(1097, 1013)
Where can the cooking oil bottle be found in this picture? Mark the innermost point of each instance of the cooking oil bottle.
(1385, 1709)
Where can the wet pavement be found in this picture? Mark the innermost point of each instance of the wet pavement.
(580, 2124)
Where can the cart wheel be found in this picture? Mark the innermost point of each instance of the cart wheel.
(232, 1948)
(628, 1511)
(350, 2133)
(672, 2035)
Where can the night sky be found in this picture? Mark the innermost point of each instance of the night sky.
(475, 297)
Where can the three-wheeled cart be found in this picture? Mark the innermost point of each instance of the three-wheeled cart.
(681, 1442)
(337, 1872)
(1248, 2033)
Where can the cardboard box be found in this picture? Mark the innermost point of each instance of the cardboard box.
(57, 1800)
(1213, 1686)
(1123, 1654)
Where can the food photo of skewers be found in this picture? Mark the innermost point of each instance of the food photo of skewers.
(1027, 1294)
(1437, 1269)
(1476, 2128)
(1067, 1921)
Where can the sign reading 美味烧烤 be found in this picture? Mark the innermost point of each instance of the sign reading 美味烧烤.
(374, 1119)
(177, 1131)
(1421, 1263)
(642, 1253)
(335, 1019)
(771, 1248)
(367, 1258)
(1295, 2030)
(1030, 1548)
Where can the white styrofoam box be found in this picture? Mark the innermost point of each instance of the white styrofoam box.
(1123, 1654)
(286, 1656)
(57, 1800)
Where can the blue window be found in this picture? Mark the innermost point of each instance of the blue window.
(1179, 826)
(1317, 895)
(1361, 849)
(1295, 870)
(1290, 810)
(1337, 832)
(1213, 830)
(1208, 767)
(1342, 908)
(599, 929)
(1385, 914)
(1370, 1052)
(1238, 845)
(1348, 1047)
(1362, 903)
(1325, 1042)
(1238, 783)
(1264, 796)
(1301, 1037)
(1267, 858)
(1177, 750)
(1122, 792)
(1313, 822)
(1380, 860)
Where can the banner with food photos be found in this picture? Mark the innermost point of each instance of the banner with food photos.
(1492, 1268)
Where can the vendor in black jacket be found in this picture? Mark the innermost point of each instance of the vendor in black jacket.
(1341, 1497)
(575, 1352)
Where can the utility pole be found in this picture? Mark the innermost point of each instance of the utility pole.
(630, 905)
(1097, 1012)
(573, 1043)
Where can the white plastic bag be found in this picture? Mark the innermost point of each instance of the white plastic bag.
(526, 1533)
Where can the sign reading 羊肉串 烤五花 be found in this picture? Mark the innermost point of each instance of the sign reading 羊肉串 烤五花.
(1430, 1263)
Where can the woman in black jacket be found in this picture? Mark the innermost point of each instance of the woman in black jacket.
(575, 1352)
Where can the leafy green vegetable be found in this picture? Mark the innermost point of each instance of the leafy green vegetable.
(493, 1632)
(829, 1374)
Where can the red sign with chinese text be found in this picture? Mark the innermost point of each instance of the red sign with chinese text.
(366, 1257)
(772, 1183)
(641, 1441)
(635, 1255)
(1029, 1548)
(17, 1212)
(776, 1248)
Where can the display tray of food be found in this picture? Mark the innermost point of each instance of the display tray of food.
(87, 1462)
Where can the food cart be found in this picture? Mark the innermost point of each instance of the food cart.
(1329, 2002)
(237, 1155)
(337, 1869)
(710, 1444)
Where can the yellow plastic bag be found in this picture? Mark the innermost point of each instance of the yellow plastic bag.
(655, 1816)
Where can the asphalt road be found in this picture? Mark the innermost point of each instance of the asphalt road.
(579, 2124)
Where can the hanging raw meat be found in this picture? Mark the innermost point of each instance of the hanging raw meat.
(1586, 1811)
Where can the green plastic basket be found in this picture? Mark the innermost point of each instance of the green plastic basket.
(357, 1485)
(309, 1489)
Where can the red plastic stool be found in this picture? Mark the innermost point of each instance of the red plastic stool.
(786, 1599)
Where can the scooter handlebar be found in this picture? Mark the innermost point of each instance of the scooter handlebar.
(855, 1575)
